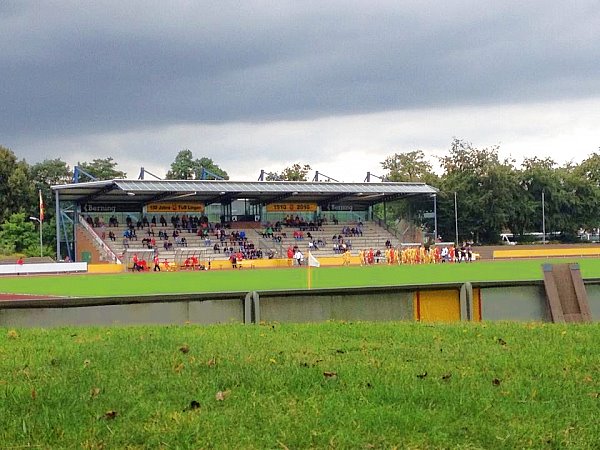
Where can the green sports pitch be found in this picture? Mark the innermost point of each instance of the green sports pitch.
(124, 284)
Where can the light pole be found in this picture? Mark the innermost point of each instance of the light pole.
(41, 242)
(455, 218)
(435, 232)
(543, 219)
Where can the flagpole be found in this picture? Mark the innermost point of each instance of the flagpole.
(41, 223)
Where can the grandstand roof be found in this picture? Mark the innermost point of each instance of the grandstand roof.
(141, 192)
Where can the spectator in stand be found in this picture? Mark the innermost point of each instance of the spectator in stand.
(216, 248)
(112, 236)
(153, 221)
(163, 221)
(145, 222)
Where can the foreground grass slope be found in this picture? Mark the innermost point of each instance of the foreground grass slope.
(340, 385)
(268, 279)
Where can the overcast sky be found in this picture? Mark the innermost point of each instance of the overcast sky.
(256, 85)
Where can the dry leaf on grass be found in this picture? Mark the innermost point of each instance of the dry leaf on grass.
(94, 392)
(12, 334)
(446, 376)
(110, 415)
(33, 394)
(222, 395)
(422, 375)
(496, 382)
(178, 368)
(184, 348)
(330, 374)
(211, 362)
(194, 404)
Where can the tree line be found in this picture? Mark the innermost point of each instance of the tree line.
(492, 195)
(496, 195)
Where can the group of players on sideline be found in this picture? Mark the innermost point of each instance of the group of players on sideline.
(237, 247)
(410, 255)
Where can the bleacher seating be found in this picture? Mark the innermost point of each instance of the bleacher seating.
(373, 236)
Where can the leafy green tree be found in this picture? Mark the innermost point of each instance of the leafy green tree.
(48, 173)
(19, 235)
(485, 189)
(570, 197)
(295, 172)
(185, 167)
(16, 190)
(590, 168)
(103, 169)
(409, 166)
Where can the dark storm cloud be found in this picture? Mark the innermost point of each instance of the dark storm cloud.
(73, 68)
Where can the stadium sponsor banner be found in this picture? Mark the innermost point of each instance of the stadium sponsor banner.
(175, 207)
(109, 208)
(291, 207)
(342, 208)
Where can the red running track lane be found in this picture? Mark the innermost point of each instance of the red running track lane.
(11, 297)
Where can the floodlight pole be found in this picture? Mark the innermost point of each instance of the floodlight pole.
(543, 219)
(435, 231)
(455, 218)
(41, 242)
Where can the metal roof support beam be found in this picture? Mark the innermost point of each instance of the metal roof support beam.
(391, 198)
(222, 199)
(333, 198)
(144, 171)
(159, 197)
(369, 175)
(104, 190)
(274, 199)
(316, 177)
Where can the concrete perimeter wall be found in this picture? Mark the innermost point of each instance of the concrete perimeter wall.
(448, 303)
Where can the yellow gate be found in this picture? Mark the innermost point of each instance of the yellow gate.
(437, 305)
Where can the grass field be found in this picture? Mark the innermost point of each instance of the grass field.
(268, 279)
(328, 385)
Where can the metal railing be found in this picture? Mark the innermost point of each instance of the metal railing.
(100, 244)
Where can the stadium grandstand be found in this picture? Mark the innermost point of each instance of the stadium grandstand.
(209, 220)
